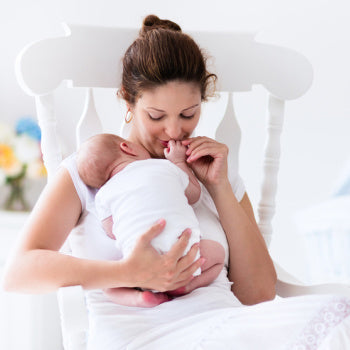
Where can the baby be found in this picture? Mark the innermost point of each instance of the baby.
(134, 189)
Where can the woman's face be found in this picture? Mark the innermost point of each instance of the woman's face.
(168, 112)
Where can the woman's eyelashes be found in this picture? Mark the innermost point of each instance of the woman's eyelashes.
(155, 117)
(181, 115)
(186, 116)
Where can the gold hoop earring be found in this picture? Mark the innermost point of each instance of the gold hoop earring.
(128, 117)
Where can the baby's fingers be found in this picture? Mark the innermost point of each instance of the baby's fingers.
(171, 144)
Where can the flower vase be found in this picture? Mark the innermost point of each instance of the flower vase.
(16, 200)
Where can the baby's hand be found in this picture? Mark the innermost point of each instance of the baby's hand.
(176, 152)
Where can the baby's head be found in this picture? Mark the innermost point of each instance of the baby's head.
(101, 155)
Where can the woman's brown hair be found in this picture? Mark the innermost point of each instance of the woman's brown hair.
(163, 53)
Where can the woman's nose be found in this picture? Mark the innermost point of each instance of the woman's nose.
(173, 130)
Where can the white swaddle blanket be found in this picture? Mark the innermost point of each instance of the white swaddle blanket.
(142, 191)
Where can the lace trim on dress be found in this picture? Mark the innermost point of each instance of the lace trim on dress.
(322, 324)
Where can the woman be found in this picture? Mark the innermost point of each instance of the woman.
(164, 82)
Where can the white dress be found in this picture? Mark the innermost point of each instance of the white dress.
(142, 191)
(209, 317)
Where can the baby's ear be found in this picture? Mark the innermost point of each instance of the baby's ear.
(127, 148)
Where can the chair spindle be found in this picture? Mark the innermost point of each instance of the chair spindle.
(89, 123)
(267, 204)
(50, 147)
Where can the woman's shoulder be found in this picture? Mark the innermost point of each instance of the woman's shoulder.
(86, 194)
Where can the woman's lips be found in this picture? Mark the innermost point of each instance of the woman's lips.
(164, 143)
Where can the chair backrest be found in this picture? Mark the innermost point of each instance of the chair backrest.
(90, 57)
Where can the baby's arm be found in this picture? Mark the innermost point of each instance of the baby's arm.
(176, 153)
(107, 225)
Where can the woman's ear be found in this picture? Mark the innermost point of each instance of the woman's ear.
(127, 148)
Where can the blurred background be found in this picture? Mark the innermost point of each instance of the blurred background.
(312, 229)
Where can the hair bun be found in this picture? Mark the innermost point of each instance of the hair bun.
(153, 22)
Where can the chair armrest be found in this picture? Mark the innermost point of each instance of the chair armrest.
(289, 286)
(285, 289)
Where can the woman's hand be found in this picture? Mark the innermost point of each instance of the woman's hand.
(149, 269)
(208, 159)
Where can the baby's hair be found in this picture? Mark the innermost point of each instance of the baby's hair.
(95, 157)
(163, 53)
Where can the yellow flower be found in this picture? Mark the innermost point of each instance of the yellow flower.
(6, 156)
(8, 161)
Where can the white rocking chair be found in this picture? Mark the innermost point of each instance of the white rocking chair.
(89, 56)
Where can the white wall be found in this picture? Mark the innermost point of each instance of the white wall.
(316, 125)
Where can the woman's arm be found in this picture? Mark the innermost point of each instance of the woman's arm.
(250, 266)
(36, 266)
